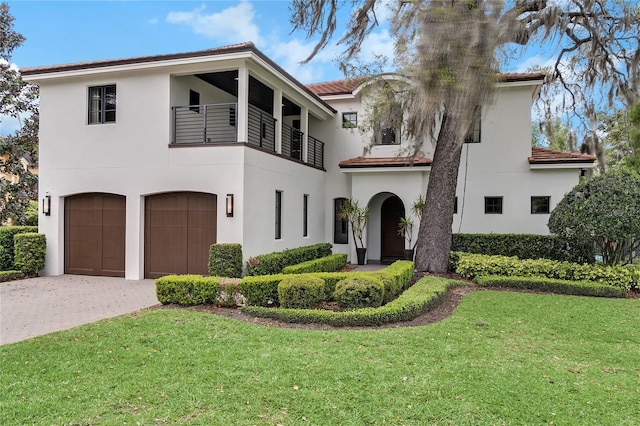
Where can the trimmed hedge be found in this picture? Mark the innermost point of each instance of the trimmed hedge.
(188, 289)
(473, 265)
(329, 263)
(301, 291)
(524, 246)
(578, 288)
(424, 295)
(30, 252)
(357, 292)
(225, 260)
(274, 263)
(10, 276)
(7, 244)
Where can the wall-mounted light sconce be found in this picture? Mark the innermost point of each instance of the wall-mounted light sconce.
(229, 205)
(46, 205)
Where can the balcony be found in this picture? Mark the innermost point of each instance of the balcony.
(217, 124)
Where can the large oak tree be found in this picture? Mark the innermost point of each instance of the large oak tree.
(449, 49)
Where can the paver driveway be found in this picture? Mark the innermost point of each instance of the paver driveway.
(38, 306)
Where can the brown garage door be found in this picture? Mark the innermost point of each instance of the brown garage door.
(95, 234)
(179, 229)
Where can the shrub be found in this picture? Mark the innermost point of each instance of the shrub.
(359, 292)
(10, 276)
(30, 251)
(425, 294)
(578, 288)
(329, 263)
(524, 246)
(472, 265)
(230, 296)
(274, 263)
(225, 260)
(6, 242)
(301, 292)
(188, 290)
(261, 290)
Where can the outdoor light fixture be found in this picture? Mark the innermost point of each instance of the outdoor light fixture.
(46, 205)
(229, 205)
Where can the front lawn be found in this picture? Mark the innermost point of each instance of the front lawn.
(502, 358)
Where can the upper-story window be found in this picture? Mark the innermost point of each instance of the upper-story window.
(194, 101)
(349, 120)
(387, 130)
(102, 104)
(541, 205)
(474, 131)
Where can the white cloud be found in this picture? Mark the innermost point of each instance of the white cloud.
(231, 25)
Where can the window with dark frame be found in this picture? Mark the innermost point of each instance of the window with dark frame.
(349, 120)
(541, 205)
(305, 215)
(492, 205)
(340, 226)
(102, 104)
(194, 101)
(474, 135)
(278, 215)
(455, 205)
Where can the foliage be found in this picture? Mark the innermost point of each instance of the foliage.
(578, 288)
(10, 276)
(7, 244)
(632, 161)
(603, 211)
(188, 290)
(474, 265)
(301, 292)
(274, 263)
(359, 292)
(424, 295)
(225, 260)
(357, 217)
(524, 246)
(18, 152)
(30, 252)
(329, 263)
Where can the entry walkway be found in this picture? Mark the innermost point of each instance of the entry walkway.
(38, 306)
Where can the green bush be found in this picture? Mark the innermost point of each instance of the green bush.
(578, 288)
(424, 295)
(261, 290)
(301, 292)
(473, 265)
(524, 246)
(10, 276)
(29, 252)
(188, 290)
(358, 292)
(225, 260)
(329, 263)
(6, 242)
(274, 263)
(230, 296)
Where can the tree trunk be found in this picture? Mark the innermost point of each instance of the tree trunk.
(434, 238)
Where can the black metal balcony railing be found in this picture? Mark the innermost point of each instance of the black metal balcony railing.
(217, 123)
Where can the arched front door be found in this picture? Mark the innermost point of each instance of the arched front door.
(392, 244)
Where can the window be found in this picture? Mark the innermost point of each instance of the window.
(349, 120)
(455, 205)
(102, 104)
(278, 215)
(388, 137)
(340, 226)
(474, 131)
(493, 205)
(194, 101)
(387, 131)
(305, 215)
(540, 205)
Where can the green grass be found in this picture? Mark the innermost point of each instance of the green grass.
(502, 358)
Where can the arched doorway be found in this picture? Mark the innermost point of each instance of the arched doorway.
(391, 244)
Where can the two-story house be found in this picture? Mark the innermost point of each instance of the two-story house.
(145, 162)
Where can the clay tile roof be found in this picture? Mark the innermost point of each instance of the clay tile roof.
(552, 156)
(359, 162)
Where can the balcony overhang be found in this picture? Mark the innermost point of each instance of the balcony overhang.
(385, 164)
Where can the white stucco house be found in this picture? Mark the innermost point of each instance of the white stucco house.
(145, 162)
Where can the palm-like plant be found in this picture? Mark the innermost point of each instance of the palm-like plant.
(357, 217)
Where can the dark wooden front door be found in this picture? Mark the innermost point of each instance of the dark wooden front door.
(392, 244)
(94, 236)
(179, 229)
